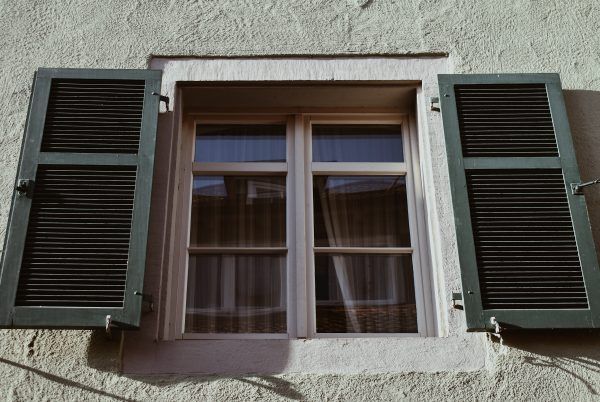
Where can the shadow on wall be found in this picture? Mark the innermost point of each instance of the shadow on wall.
(104, 354)
(575, 353)
(582, 108)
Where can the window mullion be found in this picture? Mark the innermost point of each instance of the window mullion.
(302, 222)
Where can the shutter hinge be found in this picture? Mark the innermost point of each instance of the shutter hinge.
(497, 329)
(434, 104)
(107, 324)
(25, 187)
(162, 98)
(457, 296)
(577, 188)
(146, 298)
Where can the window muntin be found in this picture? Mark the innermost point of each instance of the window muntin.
(302, 301)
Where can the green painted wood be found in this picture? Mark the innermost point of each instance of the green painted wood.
(512, 163)
(460, 201)
(577, 205)
(61, 158)
(17, 229)
(477, 318)
(67, 317)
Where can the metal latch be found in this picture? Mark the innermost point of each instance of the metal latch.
(577, 188)
(25, 187)
(162, 98)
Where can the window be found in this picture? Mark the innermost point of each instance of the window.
(300, 226)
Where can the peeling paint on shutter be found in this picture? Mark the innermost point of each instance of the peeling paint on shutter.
(526, 251)
(75, 249)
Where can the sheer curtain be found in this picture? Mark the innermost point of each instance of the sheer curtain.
(367, 211)
(237, 292)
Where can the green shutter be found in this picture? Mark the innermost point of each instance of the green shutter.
(75, 248)
(525, 245)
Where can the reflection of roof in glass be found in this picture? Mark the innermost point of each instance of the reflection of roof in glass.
(362, 184)
(255, 188)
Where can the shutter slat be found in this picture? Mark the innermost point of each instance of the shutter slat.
(82, 115)
(98, 223)
(503, 213)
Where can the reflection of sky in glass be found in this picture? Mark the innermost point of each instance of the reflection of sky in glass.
(240, 143)
(357, 143)
(357, 184)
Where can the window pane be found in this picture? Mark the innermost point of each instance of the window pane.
(357, 143)
(360, 211)
(236, 294)
(241, 211)
(240, 143)
(365, 293)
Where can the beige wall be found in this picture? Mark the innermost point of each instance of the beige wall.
(481, 37)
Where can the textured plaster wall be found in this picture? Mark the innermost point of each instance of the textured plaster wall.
(483, 36)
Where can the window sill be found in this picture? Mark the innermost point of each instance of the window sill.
(306, 356)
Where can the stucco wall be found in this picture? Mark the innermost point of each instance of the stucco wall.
(490, 36)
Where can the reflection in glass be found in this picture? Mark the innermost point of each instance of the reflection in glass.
(242, 211)
(357, 143)
(236, 294)
(365, 293)
(240, 143)
(360, 211)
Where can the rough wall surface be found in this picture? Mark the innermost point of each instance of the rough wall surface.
(487, 36)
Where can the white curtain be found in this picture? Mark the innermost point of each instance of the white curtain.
(366, 212)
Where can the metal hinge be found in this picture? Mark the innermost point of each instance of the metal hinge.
(146, 298)
(457, 296)
(25, 187)
(162, 98)
(577, 188)
(434, 104)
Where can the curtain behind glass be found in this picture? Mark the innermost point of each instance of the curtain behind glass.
(363, 292)
(236, 292)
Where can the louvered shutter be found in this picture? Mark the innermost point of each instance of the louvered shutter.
(526, 251)
(75, 248)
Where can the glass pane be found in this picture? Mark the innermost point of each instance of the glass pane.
(241, 211)
(357, 143)
(365, 293)
(236, 294)
(240, 143)
(360, 211)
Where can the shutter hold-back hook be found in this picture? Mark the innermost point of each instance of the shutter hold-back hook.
(577, 188)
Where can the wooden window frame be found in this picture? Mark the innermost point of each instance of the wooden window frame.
(299, 168)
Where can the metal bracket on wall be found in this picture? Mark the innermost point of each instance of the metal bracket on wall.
(434, 104)
(25, 187)
(457, 296)
(146, 298)
(577, 188)
(162, 98)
